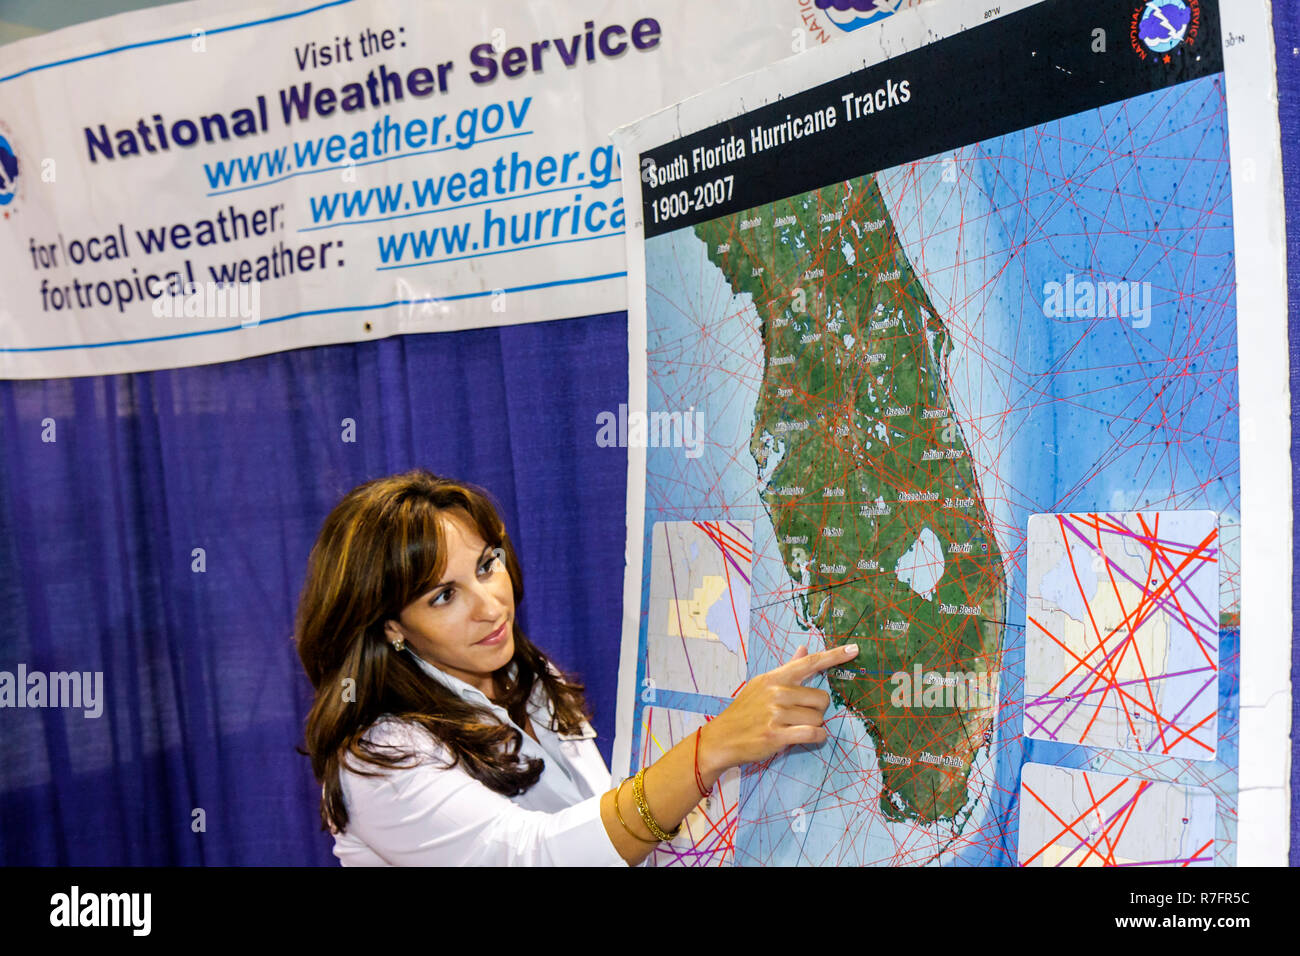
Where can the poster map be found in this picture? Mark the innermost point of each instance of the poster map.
(969, 369)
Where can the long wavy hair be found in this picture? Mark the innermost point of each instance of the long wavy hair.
(381, 548)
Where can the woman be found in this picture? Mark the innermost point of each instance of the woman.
(442, 735)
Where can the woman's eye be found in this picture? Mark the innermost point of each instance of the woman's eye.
(438, 598)
(490, 564)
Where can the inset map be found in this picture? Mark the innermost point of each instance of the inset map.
(699, 606)
(1074, 817)
(1122, 631)
(707, 834)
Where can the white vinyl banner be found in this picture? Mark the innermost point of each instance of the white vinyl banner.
(208, 181)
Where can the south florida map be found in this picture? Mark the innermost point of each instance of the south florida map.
(962, 330)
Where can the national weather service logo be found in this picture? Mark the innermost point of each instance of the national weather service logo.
(827, 19)
(851, 14)
(1159, 28)
(10, 178)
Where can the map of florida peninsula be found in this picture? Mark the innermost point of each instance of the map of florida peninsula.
(867, 478)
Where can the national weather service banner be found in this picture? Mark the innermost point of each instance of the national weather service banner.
(208, 181)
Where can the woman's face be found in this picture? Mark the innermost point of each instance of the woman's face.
(464, 625)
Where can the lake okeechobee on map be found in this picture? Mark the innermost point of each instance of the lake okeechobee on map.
(1064, 342)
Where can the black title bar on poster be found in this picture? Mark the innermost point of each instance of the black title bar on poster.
(1051, 60)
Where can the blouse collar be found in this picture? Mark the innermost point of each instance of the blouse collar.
(467, 692)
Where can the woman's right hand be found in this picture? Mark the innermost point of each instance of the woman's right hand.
(773, 711)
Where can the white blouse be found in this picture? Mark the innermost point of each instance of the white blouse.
(430, 815)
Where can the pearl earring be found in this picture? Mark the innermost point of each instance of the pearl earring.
(399, 644)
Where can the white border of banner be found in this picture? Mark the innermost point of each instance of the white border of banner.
(57, 88)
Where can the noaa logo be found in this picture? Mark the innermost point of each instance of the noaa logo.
(851, 14)
(1160, 27)
(9, 171)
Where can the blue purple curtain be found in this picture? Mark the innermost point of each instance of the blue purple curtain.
(1286, 35)
(203, 696)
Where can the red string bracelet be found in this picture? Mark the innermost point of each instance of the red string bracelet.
(699, 781)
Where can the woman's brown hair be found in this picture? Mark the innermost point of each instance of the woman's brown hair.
(381, 548)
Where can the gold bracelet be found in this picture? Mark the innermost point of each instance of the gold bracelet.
(651, 824)
(619, 810)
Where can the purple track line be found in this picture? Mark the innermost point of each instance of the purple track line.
(1096, 671)
(1165, 603)
(1169, 724)
(1173, 721)
(1040, 724)
(1044, 700)
(1130, 533)
(1166, 561)
(726, 553)
(1208, 552)
(1105, 823)
(736, 528)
